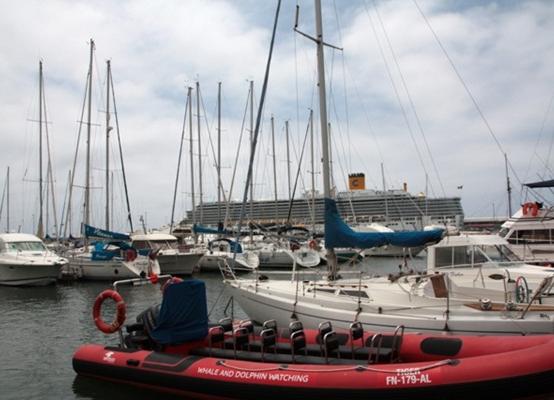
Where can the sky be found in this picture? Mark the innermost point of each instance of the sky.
(436, 92)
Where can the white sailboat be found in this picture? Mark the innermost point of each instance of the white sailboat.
(418, 302)
(111, 256)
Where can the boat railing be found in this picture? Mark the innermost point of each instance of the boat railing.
(139, 281)
(543, 289)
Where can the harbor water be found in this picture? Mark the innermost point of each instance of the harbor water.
(42, 327)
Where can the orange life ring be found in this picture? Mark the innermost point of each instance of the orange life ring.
(530, 206)
(312, 244)
(121, 309)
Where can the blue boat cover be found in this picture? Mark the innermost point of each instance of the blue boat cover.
(184, 314)
(92, 232)
(339, 234)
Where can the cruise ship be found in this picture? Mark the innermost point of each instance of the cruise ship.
(397, 209)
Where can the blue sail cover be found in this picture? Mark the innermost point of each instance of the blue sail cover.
(339, 234)
(92, 232)
(184, 315)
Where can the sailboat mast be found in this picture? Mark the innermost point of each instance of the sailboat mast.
(251, 146)
(508, 187)
(199, 152)
(313, 167)
(331, 257)
(178, 169)
(108, 128)
(129, 215)
(219, 188)
(189, 100)
(8, 200)
(274, 167)
(288, 156)
(89, 111)
(385, 192)
(40, 232)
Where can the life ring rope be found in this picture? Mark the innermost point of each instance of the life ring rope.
(119, 319)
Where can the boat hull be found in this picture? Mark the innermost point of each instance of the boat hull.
(437, 376)
(28, 274)
(179, 263)
(259, 301)
(113, 269)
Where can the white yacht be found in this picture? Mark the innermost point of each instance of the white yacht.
(25, 261)
(173, 259)
(484, 266)
(530, 233)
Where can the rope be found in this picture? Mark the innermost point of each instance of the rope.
(469, 93)
(340, 369)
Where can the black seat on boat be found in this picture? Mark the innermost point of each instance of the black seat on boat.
(139, 333)
(331, 345)
(226, 324)
(268, 341)
(216, 336)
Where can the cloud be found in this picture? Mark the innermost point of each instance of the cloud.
(501, 49)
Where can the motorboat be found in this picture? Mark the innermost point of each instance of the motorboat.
(25, 261)
(174, 349)
(485, 266)
(173, 258)
(529, 233)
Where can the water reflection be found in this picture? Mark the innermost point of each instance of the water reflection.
(89, 388)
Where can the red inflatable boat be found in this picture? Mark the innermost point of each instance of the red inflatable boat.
(239, 361)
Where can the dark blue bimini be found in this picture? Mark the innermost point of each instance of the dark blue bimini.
(184, 315)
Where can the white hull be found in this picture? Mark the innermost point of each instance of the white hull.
(113, 269)
(392, 251)
(243, 262)
(387, 306)
(28, 275)
(178, 263)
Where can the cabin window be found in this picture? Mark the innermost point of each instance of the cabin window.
(140, 244)
(325, 290)
(503, 232)
(448, 256)
(26, 246)
(537, 236)
(354, 293)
